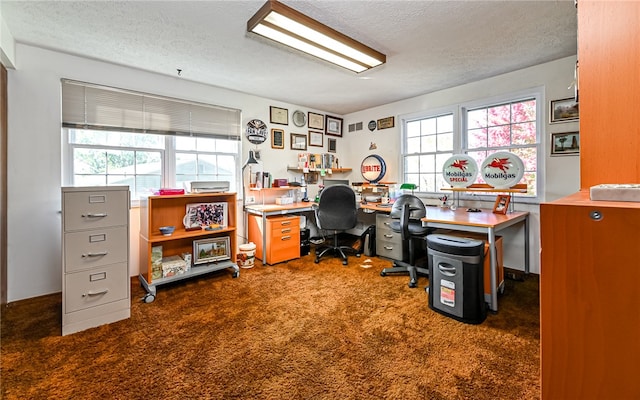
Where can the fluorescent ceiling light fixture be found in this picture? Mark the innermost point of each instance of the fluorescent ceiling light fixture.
(287, 26)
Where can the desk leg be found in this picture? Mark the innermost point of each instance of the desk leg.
(526, 245)
(264, 239)
(493, 270)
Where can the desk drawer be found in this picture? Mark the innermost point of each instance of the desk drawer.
(280, 223)
(388, 249)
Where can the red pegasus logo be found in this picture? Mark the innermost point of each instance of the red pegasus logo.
(460, 164)
(500, 163)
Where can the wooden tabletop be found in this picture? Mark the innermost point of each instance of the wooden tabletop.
(460, 216)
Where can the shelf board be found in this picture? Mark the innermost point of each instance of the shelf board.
(320, 169)
(194, 271)
(484, 188)
(183, 234)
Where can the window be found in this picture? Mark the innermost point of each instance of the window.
(428, 144)
(119, 137)
(510, 123)
(509, 126)
(146, 162)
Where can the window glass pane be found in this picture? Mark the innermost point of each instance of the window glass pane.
(427, 163)
(89, 161)
(428, 143)
(477, 138)
(186, 164)
(228, 146)
(445, 142)
(445, 123)
(148, 162)
(207, 164)
(413, 129)
(120, 162)
(499, 136)
(412, 165)
(90, 180)
(440, 160)
(429, 126)
(477, 119)
(524, 111)
(499, 115)
(206, 144)
(428, 183)
(524, 133)
(185, 143)
(146, 185)
(413, 145)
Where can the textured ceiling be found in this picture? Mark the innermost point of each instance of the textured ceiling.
(430, 45)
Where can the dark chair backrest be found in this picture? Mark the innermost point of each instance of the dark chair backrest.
(337, 208)
(407, 209)
(416, 206)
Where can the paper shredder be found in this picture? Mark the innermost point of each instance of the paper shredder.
(456, 277)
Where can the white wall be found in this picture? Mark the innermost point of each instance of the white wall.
(34, 176)
(560, 174)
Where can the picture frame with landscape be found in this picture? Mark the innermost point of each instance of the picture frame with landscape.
(565, 143)
(211, 250)
(564, 110)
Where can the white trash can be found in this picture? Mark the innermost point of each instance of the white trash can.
(246, 255)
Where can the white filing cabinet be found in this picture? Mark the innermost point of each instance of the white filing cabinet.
(95, 256)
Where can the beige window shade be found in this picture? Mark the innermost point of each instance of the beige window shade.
(88, 106)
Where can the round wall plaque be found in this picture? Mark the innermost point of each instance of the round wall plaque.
(460, 170)
(502, 169)
(256, 131)
(299, 118)
(373, 168)
(372, 126)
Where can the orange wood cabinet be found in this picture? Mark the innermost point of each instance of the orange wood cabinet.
(590, 299)
(609, 91)
(282, 234)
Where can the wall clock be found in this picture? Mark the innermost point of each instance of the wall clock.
(256, 131)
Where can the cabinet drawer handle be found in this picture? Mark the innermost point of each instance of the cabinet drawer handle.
(388, 247)
(287, 230)
(102, 253)
(285, 223)
(92, 215)
(90, 294)
(388, 236)
(387, 223)
(285, 238)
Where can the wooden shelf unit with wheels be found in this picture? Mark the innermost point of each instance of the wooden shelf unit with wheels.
(157, 211)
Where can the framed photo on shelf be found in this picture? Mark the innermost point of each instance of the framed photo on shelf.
(315, 139)
(565, 144)
(502, 204)
(206, 216)
(279, 115)
(277, 139)
(315, 121)
(385, 123)
(211, 250)
(564, 110)
(333, 126)
(332, 145)
(298, 142)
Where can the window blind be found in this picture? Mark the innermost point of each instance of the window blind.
(89, 106)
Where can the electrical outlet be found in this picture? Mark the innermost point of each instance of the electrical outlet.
(250, 200)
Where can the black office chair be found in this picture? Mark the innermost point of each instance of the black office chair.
(336, 211)
(406, 213)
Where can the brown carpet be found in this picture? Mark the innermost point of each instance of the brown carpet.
(296, 330)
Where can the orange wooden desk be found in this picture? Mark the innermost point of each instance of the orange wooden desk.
(266, 210)
(485, 222)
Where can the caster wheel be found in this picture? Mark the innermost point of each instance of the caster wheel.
(412, 285)
(501, 289)
(383, 273)
(358, 255)
(344, 263)
(149, 298)
(236, 274)
(316, 261)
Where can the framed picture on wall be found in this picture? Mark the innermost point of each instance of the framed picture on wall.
(565, 144)
(332, 145)
(298, 142)
(315, 120)
(333, 126)
(277, 139)
(315, 139)
(564, 110)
